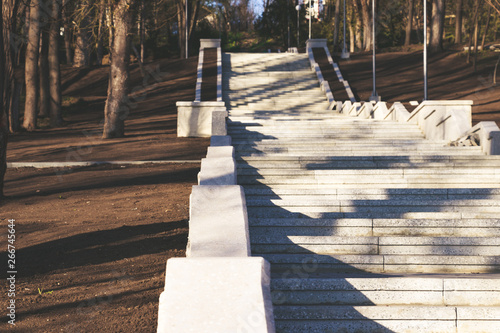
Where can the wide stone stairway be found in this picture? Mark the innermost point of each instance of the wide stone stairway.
(368, 226)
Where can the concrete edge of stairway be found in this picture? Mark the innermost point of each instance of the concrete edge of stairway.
(439, 120)
(325, 87)
(311, 43)
(218, 287)
(194, 119)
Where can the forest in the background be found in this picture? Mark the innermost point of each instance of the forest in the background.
(38, 37)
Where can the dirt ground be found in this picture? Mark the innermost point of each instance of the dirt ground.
(92, 243)
(400, 78)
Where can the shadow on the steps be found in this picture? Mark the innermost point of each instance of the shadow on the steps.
(301, 241)
(263, 92)
(312, 226)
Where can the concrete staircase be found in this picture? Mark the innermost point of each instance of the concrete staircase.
(368, 226)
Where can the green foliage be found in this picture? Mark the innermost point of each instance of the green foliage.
(232, 41)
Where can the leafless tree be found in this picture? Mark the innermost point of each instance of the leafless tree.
(54, 65)
(459, 22)
(409, 23)
(116, 109)
(12, 45)
(437, 25)
(31, 67)
(4, 129)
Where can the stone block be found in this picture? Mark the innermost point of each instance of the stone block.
(219, 122)
(312, 43)
(194, 119)
(488, 134)
(217, 171)
(209, 43)
(220, 151)
(220, 140)
(443, 120)
(223, 295)
(218, 222)
(398, 113)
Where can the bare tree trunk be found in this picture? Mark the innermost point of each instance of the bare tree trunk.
(54, 67)
(495, 72)
(359, 25)
(409, 24)
(4, 128)
(181, 19)
(11, 91)
(181, 24)
(31, 67)
(111, 29)
(336, 25)
(437, 25)
(116, 109)
(473, 24)
(458, 22)
(477, 28)
(67, 32)
(43, 68)
(142, 31)
(367, 25)
(83, 34)
(100, 32)
(488, 19)
(352, 34)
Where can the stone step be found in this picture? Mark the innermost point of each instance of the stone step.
(326, 133)
(382, 319)
(241, 112)
(349, 263)
(380, 182)
(325, 121)
(333, 126)
(329, 194)
(291, 110)
(328, 161)
(336, 213)
(386, 290)
(246, 150)
(400, 172)
(291, 142)
(382, 245)
(363, 153)
(379, 194)
(366, 227)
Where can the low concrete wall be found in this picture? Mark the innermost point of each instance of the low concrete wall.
(217, 171)
(439, 120)
(488, 135)
(219, 125)
(325, 87)
(398, 112)
(313, 43)
(209, 43)
(219, 287)
(220, 140)
(218, 223)
(443, 120)
(194, 119)
(199, 75)
(222, 295)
